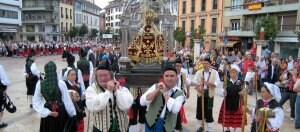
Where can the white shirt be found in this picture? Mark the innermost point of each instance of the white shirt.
(187, 82)
(290, 65)
(33, 69)
(206, 75)
(4, 79)
(260, 65)
(38, 100)
(249, 76)
(80, 80)
(173, 105)
(97, 102)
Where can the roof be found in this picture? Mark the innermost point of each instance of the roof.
(115, 3)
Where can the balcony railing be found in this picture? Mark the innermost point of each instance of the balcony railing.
(38, 7)
(263, 4)
(35, 20)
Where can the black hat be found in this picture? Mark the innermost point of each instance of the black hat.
(83, 53)
(178, 60)
(70, 58)
(169, 67)
(207, 59)
(104, 65)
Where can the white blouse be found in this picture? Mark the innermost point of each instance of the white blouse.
(38, 100)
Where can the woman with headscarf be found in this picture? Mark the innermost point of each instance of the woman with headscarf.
(268, 115)
(32, 74)
(58, 109)
(75, 87)
(232, 101)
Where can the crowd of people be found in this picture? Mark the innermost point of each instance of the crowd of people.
(90, 84)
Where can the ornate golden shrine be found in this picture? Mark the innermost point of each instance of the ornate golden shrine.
(148, 44)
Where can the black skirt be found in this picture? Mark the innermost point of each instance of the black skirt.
(31, 84)
(54, 124)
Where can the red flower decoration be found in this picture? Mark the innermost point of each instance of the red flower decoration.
(170, 55)
(122, 81)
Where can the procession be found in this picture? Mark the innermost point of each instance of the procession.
(147, 76)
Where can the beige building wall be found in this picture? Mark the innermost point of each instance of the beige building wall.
(211, 39)
(66, 20)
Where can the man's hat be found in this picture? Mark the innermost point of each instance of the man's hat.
(169, 67)
(207, 59)
(83, 53)
(104, 65)
(178, 60)
(70, 58)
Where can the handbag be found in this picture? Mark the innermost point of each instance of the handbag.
(10, 107)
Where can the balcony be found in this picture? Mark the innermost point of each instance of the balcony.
(35, 20)
(260, 8)
(246, 31)
(38, 7)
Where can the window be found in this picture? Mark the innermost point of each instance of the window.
(66, 27)
(70, 25)
(235, 24)
(183, 7)
(215, 4)
(71, 13)
(193, 6)
(203, 5)
(236, 4)
(183, 25)
(214, 25)
(67, 13)
(61, 12)
(192, 25)
(287, 23)
(8, 14)
(62, 27)
(112, 24)
(203, 23)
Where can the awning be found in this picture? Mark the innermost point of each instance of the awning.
(8, 30)
(229, 44)
(286, 39)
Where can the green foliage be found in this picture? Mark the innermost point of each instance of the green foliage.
(73, 32)
(179, 35)
(107, 30)
(270, 27)
(83, 30)
(198, 33)
(94, 32)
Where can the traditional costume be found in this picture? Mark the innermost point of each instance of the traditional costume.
(4, 82)
(270, 113)
(232, 102)
(86, 67)
(211, 76)
(78, 104)
(32, 74)
(55, 93)
(109, 109)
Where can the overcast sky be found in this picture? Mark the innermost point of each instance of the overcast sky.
(102, 3)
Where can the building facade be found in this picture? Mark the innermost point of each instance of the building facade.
(78, 7)
(66, 21)
(114, 11)
(204, 13)
(10, 19)
(91, 15)
(102, 21)
(40, 20)
(241, 19)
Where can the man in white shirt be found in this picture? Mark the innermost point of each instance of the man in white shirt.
(164, 101)
(290, 64)
(209, 79)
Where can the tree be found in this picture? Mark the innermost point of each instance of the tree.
(270, 27)
(73, 32)
(94, 33)
(198, 33)
(179, 36)
(83, 30)
(107, 30)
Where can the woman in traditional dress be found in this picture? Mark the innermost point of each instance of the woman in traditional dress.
(32, 74)
(70, 81)
(268, 115)
(58, 110)
(232, 103)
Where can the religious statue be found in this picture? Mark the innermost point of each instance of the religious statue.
(148, 45)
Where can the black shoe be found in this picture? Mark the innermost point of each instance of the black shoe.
(297, 127)
(227, 130)
(200, 129)
(3, 125)
(30, 105)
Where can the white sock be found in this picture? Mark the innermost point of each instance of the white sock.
(227, 129)
(209, 126)
(200, 122)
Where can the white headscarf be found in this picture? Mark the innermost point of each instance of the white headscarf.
(65, 78)
(274, 90)
(235, 67)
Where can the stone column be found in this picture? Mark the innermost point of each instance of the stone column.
(171, 39)
(261, 42)
(197, 47)
(124, 62)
